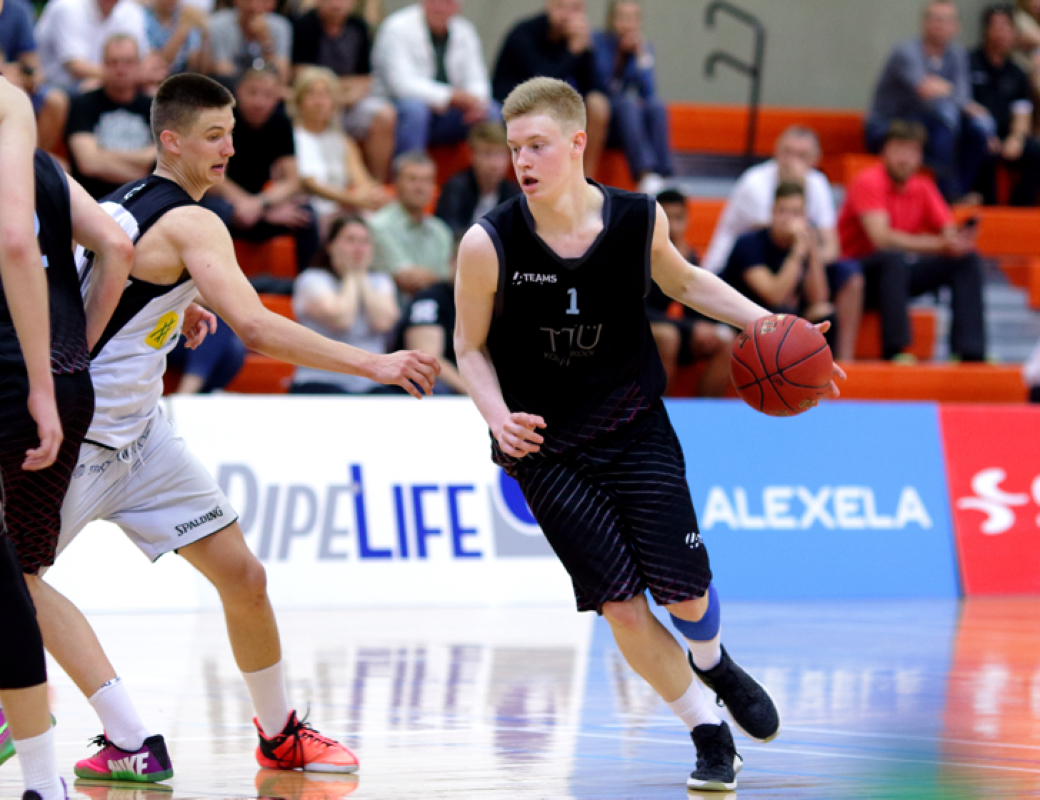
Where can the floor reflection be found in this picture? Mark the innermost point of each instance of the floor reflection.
(879, 700)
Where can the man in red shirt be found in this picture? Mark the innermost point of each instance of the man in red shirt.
(897, 225)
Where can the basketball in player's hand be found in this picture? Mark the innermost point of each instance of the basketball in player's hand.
(781, 365)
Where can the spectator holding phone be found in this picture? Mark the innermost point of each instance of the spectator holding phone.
(897, 225)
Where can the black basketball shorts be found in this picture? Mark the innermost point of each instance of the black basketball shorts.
(32, 500)
(618, 513)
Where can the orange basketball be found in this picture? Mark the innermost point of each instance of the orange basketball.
(781, 365)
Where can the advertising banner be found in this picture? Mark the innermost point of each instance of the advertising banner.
(848, 500)
(993, 465)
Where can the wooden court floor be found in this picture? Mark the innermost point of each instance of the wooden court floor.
(919, 699)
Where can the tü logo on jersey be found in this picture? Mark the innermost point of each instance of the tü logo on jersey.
(532, 277)
(166, 325)
(994, 478)
(568, 343)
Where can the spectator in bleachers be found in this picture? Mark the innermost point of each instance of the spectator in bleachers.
(20, 64)
(179, 34)
(927, 79)
(71, 33)
(331, 169)
(260, 197)
(558, 44)
(428, 59)
(343, 300)
(250, 36)
(750, 206)
(331, 35)
(472, 193)
(109, 130)
(412, 246)
(683, 335)
(896, 223)
(428, 325)
(1027, 39)
(1003, 91)
(779, 267)
(639, 119)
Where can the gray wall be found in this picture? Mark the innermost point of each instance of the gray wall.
(819, 53)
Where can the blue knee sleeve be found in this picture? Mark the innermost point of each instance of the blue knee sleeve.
(707, 627)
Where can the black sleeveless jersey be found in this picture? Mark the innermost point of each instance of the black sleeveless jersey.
(54, 232)
(570, 339)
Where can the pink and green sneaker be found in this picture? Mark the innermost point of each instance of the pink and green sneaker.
(148, 764)
(6, 740)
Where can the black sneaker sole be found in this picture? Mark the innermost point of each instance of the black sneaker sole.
(717, 786)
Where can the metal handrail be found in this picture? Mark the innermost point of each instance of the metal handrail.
(753, 70)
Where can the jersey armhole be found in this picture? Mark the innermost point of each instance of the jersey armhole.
(500, 290)
(648, 259)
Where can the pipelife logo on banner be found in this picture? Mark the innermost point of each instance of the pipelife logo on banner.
(993, 469)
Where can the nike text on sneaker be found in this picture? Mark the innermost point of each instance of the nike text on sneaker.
(6, 740)
(299, 746)
(717, 759)
(148, 764)
(752, 709)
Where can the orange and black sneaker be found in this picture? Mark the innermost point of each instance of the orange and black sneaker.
(278, 784)
(299, 746)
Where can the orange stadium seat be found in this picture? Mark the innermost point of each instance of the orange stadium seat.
(275, 257)
(947, 383)
(262, 375)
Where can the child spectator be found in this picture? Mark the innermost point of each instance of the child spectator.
(331, 35)
(639, 119)
(341, 299)
(328, 161)
(472, 193)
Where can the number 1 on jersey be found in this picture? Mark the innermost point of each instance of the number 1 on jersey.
(574, 301)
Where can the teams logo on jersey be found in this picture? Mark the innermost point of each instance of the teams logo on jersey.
(532, 277)
(166, 325)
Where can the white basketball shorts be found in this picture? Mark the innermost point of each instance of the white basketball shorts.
(155, 490)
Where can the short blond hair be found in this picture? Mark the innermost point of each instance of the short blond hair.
(547, 96)
(308, 77)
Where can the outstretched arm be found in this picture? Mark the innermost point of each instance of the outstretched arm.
(475, 287)
(207, 253)
(21, 268)
(113, 251)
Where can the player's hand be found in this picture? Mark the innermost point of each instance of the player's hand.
(413, 371)
(198, 324)
(517, 434)
(48, 427)
(838, 372)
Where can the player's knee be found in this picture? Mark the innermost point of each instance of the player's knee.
(630, 615)
(690, 610)
(245, 583)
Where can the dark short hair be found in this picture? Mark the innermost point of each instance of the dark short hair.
(181, 98)
(901, 130)
(671, 197)
(789, 189)
(321, 259)
(994, 10)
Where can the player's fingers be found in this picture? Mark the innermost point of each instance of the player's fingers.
(531, 421)
(522, 432)
(430, 361)
(211, 322)
(424, 381)
(834, 390)
(409, 387)
(839, 372)
(824, 326)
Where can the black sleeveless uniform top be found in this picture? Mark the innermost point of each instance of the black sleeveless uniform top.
(570, 339)
(54, 232)
(141, 203)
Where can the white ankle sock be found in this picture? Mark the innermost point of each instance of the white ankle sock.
(122, 725)
(707, 654)
(694, 707)
(267, 688)
(39, 766)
